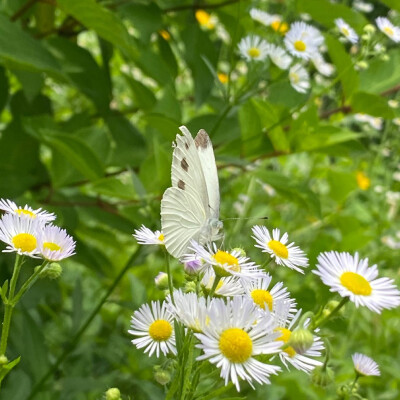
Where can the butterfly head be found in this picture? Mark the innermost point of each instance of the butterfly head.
(215, 227)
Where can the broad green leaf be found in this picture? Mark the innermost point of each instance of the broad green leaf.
(76, 151)
(371, 104)
(32, 83)
(20, 50)
(381, 75)
(344, 65)
(142, 96)
(167, 55)
(393, 4)
(4, 88)
(341, 184)
(120, 187)
(325, 12)
(168, 127)
(104, 22)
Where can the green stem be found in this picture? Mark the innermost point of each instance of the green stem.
(9, 306)
(323, 320)
(32, 279)
(355, 381)
(214, 285)
(170, 283)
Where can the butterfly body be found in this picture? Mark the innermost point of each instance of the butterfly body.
(190, 208)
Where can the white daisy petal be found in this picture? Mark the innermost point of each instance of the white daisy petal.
(146, 236)
(364, 365)
(299, 78)
(346, 30)
(303, 40)
(386, 27)
(55, 244)
(253, 48)
(10, 207)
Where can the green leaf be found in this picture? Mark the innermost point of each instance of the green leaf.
(5, 369)
(371, 104)
(76, 151)
(341, 184)
(105, 23)
(4, 87)
(381, 75)
(344, 65)
(393, 4)
(326, 12)
(120, 187)
(31, 82)
(142, 96)
(22, 51)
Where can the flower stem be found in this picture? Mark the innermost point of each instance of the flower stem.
(9, 306)
(214, 285)
(30, 281)
(323, 320)
(170, 284)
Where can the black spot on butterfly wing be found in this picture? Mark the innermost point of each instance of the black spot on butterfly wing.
(202, 139)
(181, 184)
(184, 164)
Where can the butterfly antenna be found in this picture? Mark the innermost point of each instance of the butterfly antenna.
(236, 218)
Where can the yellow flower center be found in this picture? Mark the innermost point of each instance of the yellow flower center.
(223, 78)
(25, 212)
(254, 52)
(388, 30)
(165, 34)
(356, 283)
(345, 31)
(294, 77)
(363, 181)
(160, 330)
(236, 345)
(279, 26)
(223, 257)
(51, 246)
(204, 19)
(278, 248)
(299, 45)
(261, 296)
(286, 333)
(161, 237)
(24, 242)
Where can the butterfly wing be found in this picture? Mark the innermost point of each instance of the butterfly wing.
(209, 167)
(185, 206)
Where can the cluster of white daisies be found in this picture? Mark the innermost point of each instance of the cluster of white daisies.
(303, 42)
(30, 232)
(237, 314)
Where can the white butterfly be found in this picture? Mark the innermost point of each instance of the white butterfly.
(190, 208)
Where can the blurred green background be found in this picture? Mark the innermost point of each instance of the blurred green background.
(91, 98)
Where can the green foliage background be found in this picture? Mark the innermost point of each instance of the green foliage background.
(91, 97)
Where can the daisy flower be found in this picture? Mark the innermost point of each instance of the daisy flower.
(322, 66)
(190, 309)
(374, 122)
(234, 335)
(362, 6)
(267, 299)
(55, 244)
(391, 31)
(351, 277)
(274, 21)
(205, 19)
(155, 326)
(279, 56)
(146, 236)
(10, 207)
(301, 40)
(284, 254)
(299, 78)
(225, 263)
(253, 48)
(20, 233)
(303, 361)
(346, 30)
(229, 286)
(364, 365)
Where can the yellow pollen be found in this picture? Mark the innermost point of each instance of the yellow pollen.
(164, 34)
(160, 330)
(299, 45)
(345, 31)
(363, 181)
(25, 212)
(51, 246)
(161, 237)
(24, 242)
(236, 345)
(261, 296)
(356, 283)
(281, 27)
(286, 333)
(223, 257)
(388, 31)
(254, 52)
(278, 248)
(223, 78)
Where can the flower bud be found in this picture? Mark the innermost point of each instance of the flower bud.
(362, 65)
(242, 252)
(330, 306)
(193, 267)
(51, 271)
(162, 376)
(161, 280)
(369, 28)
(301, 340)
(113, 394)
(385, 57)
(190, 287)
(3, 360)
(321, 376)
